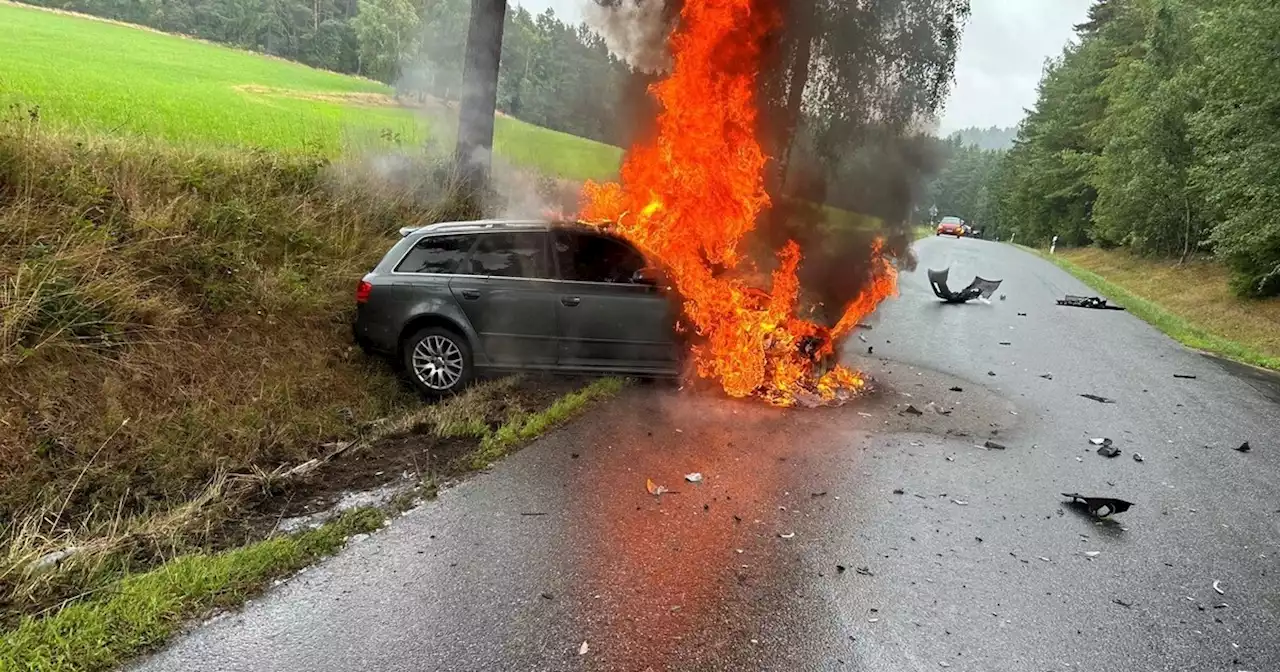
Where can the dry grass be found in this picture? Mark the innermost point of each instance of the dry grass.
(1202, 311)
(168, 318)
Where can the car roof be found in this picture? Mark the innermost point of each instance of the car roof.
(483, 225)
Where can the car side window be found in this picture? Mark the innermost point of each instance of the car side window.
(586, 257)
(437, 254)
(520, 254)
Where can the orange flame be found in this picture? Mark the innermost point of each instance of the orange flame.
(689, 198)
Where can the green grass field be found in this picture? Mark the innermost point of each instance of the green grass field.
(106, 78)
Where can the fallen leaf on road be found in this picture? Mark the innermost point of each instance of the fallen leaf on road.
(654, 488)
(582, 650)
(1218, 588)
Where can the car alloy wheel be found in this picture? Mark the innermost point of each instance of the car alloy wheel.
(438, 361)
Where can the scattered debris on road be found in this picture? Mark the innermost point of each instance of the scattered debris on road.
(1005, 343)
(957, 389)
(1100, 442)
(1100, 400)
(871, 349)
(818, 494)
(899, 491)
(938, 409)
(786, 535)
(1217, 588)
(1100, 507)
(992, 445)
(1022, 314)
(695, 477)
(1137, 457)
(1108, 450)
(1047, 376)
(1244, 447)
(978, 288)
(991, 373)
(534, 513)
(1092, 554)
(865, 571)
(1184, 376)
(582, 650)
(959, 502)
(911, 410)
(1126, 605)
(1095, 302)
(653, 488)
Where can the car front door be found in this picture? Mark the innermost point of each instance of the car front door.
(509, 298)
(607, 320)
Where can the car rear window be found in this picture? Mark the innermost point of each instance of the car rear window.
(437, 254)
(586, 257)
(511, 255)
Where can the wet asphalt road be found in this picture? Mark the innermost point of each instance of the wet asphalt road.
(976, 565)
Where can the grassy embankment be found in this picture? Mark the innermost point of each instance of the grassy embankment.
(1190, 302)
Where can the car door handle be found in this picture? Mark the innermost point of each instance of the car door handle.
(470, 294)
(571, 301)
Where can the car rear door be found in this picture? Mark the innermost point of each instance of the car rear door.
(508, 296)
(606, 320)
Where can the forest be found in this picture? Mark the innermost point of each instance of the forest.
(1156, 131)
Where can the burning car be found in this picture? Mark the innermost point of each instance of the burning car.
(450, 301)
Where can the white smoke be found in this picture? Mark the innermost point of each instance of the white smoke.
(634, 30)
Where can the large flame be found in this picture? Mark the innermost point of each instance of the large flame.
(690, 197)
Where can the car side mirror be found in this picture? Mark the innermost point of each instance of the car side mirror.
(647, 276)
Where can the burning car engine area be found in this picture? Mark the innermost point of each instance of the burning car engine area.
(691, 196)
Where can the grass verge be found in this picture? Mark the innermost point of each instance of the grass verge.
(113, 617)
(524, 427)
(1191, 302)
(140, 612)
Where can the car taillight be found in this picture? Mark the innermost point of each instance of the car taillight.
(363, 290)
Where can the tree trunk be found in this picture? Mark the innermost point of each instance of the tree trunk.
(799, 77)
(1186, 236)
(479, 94)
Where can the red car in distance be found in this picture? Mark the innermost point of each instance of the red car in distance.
(951, 226)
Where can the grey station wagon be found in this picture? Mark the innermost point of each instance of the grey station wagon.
(450, 301)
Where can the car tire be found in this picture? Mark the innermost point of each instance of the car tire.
(437, 362)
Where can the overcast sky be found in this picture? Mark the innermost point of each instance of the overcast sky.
(1005, 45)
